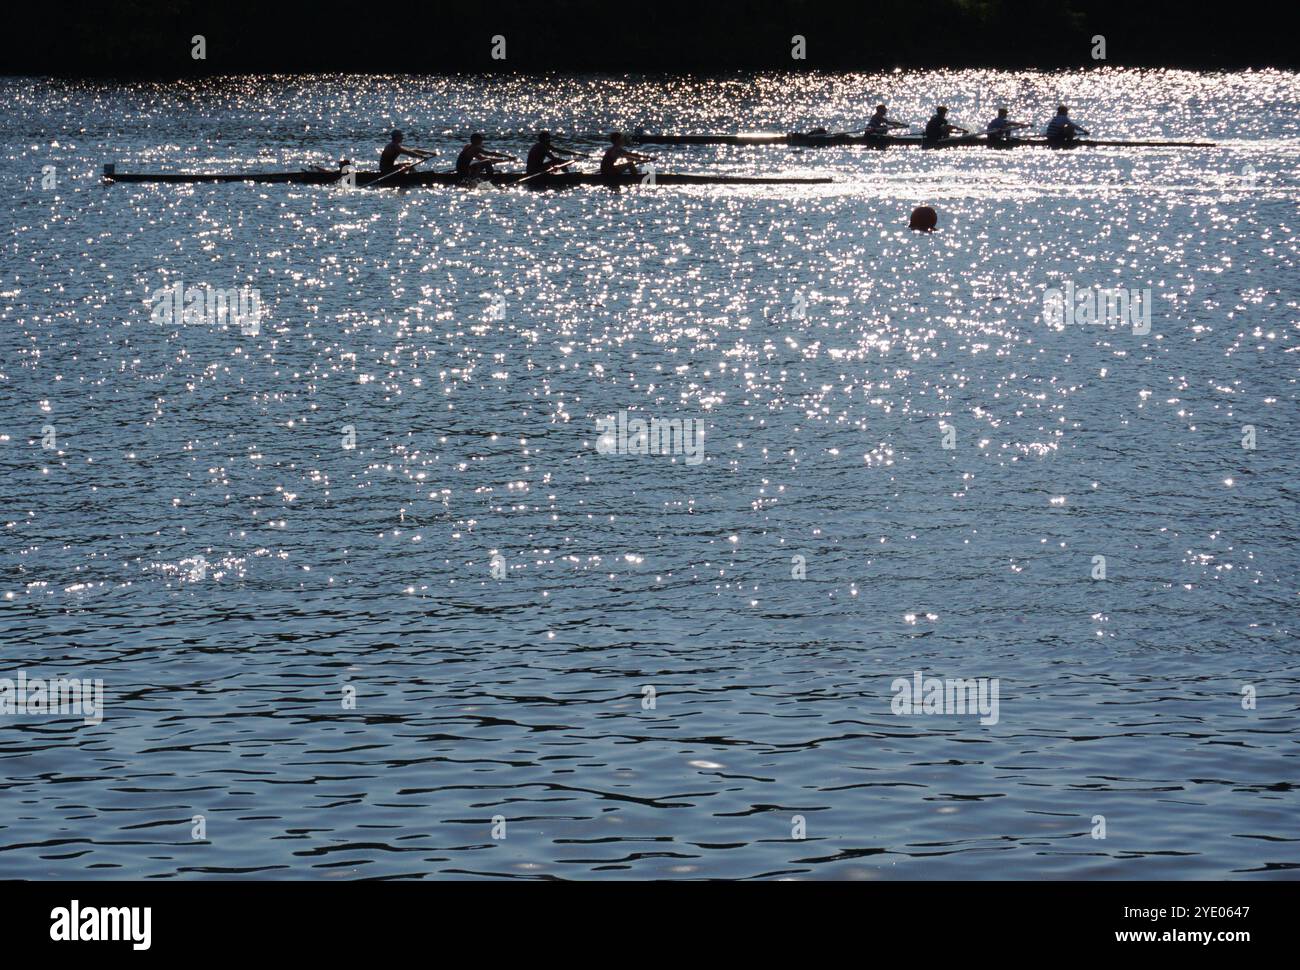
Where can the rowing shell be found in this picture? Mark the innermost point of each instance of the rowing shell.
(960, 141)
(555, 180)
(818, 140)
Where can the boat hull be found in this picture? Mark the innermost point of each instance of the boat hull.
(556, 180)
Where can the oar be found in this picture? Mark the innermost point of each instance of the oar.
(545, 171)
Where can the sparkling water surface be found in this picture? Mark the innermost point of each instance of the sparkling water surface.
(197, 534)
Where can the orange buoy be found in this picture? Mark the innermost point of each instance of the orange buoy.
(924, 218)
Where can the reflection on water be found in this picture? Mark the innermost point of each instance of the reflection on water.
(362, 580)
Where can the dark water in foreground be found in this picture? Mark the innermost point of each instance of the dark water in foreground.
(199, 536)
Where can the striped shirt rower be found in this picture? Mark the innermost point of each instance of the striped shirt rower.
(1061, 128)
(1002, 126)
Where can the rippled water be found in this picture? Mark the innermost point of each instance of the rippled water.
(181, 516)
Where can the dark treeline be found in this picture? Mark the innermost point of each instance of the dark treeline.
(131, 37)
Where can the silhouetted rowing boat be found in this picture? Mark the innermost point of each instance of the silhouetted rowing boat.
(555, 180)
(820, 140)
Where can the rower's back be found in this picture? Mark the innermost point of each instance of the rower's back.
(537, 158)
(609, 161)
(388, 157)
